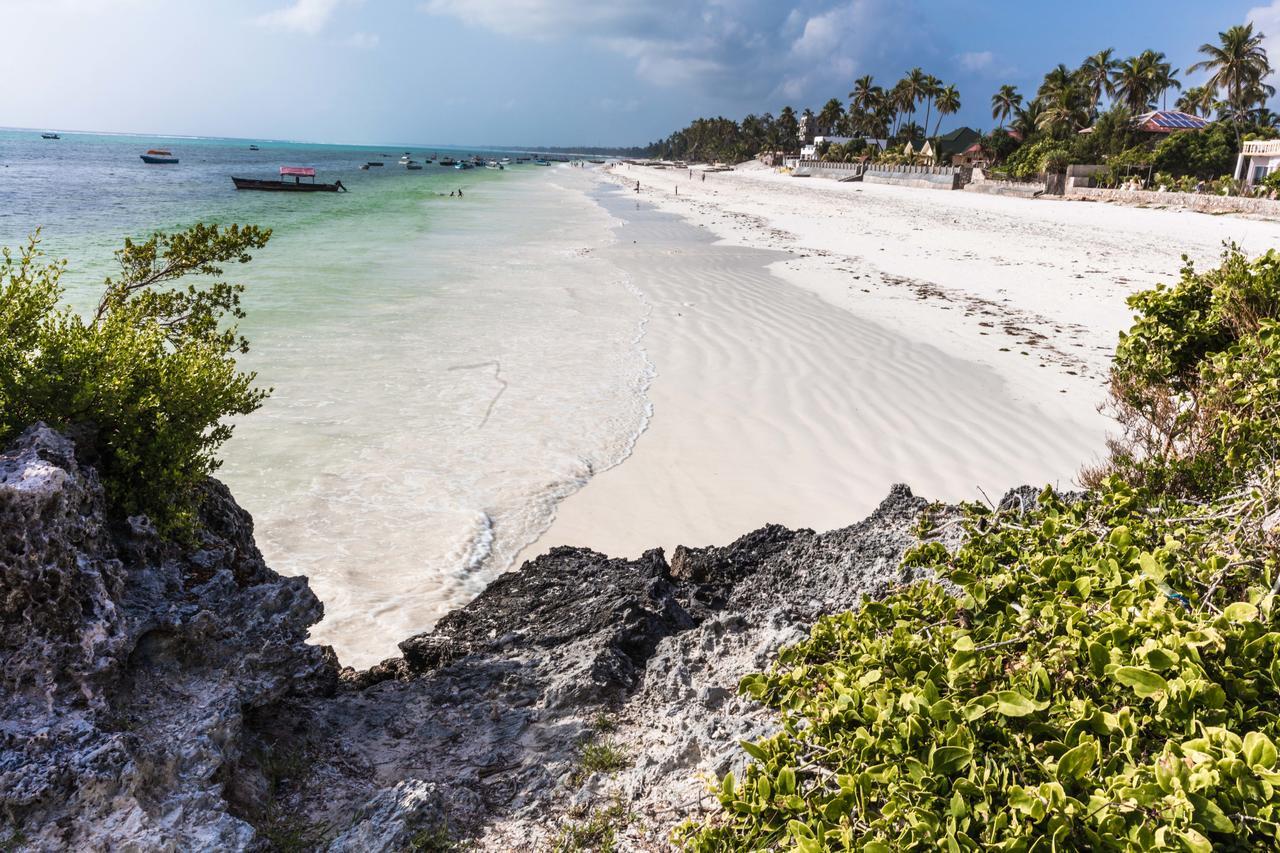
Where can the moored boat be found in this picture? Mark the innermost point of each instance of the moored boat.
(413, 166)
(283, 185)
(374, 164)
(254, 148)
(50, 136)
(448, 161)
(463, 164)
(158, 156)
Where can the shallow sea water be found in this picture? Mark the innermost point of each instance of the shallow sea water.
(445, 370)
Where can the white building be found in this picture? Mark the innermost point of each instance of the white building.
(810, 152)
(1258, 159)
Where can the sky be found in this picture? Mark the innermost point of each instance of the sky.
(540, 72)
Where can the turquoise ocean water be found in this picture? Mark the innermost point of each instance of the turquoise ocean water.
(445, 370)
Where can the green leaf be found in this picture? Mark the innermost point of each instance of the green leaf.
(1240, 611)
(1013, 703)
(1195, 842)
(1259, 751)
(1077, 762)
(1144, 682)
(754, 751)
(948, 759)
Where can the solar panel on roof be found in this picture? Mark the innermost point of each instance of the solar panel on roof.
(1176, 120)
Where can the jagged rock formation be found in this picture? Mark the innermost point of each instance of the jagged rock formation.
(129, 664)
(164, 698)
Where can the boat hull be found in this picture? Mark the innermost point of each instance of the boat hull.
(154, 160)
(283, 186)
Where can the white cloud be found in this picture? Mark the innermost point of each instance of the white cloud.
(363, 41)
(1266, 19)
(975, 61)
(735, 49)
(303, 16)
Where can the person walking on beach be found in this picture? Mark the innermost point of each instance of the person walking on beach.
(704, 177)
(637, 186)
(459, 192)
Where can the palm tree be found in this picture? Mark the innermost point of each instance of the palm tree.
(1135, 84)
(1161, 74)
(932, 89)
(948, 103)
(1063, 114)
(787, 129)
(1198, 100)
(1237, 64)
(915, 84)
(1005, 103)
(1056, 82)
(1028, 117)
(830, 115)
(1097, 75)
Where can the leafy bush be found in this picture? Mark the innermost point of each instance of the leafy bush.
(1028, 160)
(1200, 153)
(1083, 691)
(1094, 673)
(146, 383)
(1196, 381)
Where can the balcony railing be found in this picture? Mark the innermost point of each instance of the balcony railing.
(1262, 146)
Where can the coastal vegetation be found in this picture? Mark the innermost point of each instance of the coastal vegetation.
(1083, 114)
(1093, 671)
(146, 382)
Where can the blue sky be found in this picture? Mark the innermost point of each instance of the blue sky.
(538, 72)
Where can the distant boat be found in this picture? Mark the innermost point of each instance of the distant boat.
(254, 148)
(374, 164)
(413, 166)
(463, 164)
(50, 136)
(448, 161)
(282, 185)
(365, 167)
(541, 162)
(597, 162)
(158, 156)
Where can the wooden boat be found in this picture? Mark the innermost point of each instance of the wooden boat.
(413, 166)
(50, 136)
(296, 186)
(159, 156)
(448, 161)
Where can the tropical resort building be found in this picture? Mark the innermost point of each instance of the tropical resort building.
(1258, 158)
(950, 145)
(1168, 121)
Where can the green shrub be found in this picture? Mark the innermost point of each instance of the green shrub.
(1200, 153)
(146, 383)
(1100, 673)
(1196, 381)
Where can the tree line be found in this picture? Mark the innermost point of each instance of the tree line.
(1067, 101)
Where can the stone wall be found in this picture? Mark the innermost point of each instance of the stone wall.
(1017, 189)
(921, 177)
(837, 171)
(1199, 202)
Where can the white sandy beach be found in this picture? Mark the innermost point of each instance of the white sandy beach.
(952, 341)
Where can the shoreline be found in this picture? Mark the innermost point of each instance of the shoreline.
(769, 407)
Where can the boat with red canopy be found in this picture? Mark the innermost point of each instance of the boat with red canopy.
(285, 185)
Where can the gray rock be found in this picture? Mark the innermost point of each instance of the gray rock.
(158, 697)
